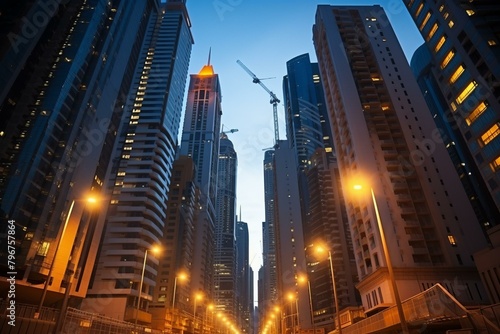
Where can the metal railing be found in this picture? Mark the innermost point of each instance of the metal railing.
(432, 306)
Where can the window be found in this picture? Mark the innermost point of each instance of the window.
(435, 26)
(495, 164)
(470, 12)
(426, 19)
(452, 240)
(451, 24)
(419, 9)
(466, 92)
(43, 249)
(490, 134)
(458, 72)
(447, 59)
(476, 113)
(440, 43)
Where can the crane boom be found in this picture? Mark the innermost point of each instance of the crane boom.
(273, 99)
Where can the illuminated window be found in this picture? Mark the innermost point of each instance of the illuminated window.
(426, 19)
(447, 59)
(432, 31)
(43, 249)
(467, 91)
(492, 42)
(445, 15)
(458, 72)
(470, 12)
(451, 24)
(495, 164)
(121, 173)
(452, 240)
(491, 134)
(476, 113)
(419, 9)
(441, 8)
(440, 43)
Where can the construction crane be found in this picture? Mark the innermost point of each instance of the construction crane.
(274, 99)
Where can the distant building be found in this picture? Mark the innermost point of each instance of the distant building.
(140, 176)
(290, 254)
(244, 278)
(225, 263)
(324, 220)
(385, 139)
(268, 293)
(462, 39)
(200, 142)
(173, 288)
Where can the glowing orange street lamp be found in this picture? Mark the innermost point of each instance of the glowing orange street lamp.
(153, 250)
(182, 277)
(402, 319)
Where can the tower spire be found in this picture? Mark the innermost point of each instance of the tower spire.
(209, 54)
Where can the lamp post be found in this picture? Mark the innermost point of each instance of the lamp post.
(292, 298)
(182, 277)
(154, 250)
(197, 297)
(334, 285)
(402, 319)
(302, 279)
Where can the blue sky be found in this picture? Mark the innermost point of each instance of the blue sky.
(264, 35)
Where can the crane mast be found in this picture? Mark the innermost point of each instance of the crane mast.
(273, 100)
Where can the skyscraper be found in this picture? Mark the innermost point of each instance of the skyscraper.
(269, 279)
(290, 254)
(385, 140)
(140, 175)
(172, 294)
(324, 222)
(243, 278)
(65, 84)
(200, 142)
(225, 272)
(463, 40)
(475, 186)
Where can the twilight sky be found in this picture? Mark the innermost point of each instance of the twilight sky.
(264, 35)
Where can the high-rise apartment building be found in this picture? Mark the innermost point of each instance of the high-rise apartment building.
(64, 83)
(386, 140)
(200, 141)
(140, 176)
(463, 41)
(225, 274)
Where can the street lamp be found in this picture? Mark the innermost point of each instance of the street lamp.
(292, 298)
(197, 297)
(90, 200)
(305, 279)
(154, 250)
(182, 277)
(402, 319)
(320, 249)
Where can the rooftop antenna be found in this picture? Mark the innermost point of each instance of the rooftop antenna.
(209, 54)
